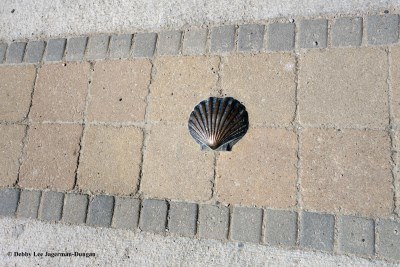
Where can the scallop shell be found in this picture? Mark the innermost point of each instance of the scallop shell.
(218, 123)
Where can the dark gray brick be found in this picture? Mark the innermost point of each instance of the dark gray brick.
(51, 206)
(76, 47)
(194, 41)
(347, 32)
(316, 231)
(100, 211)
(388, 239)
(97, 47)
(29, 204)
(15, 52)
(250, 37)
(313, 33)
(153, 216)
(34, 51)
(222, 39)
(169, 43)
(75, 208)
(55, 49)
(281, 228)
(356, 235)
(126, 213)
(144, 44)
(120, 46)
(383, 29)
(281, 36)
(3, 50)
(246, 224)
(9, 198)
(182, 218)
(213, 222)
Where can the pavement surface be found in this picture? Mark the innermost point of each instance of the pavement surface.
(95, 140)
(22, 19)
(101, 247)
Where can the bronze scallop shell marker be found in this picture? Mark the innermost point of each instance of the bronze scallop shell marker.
(218, 123)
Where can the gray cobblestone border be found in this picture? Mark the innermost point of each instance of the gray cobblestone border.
(246, 38)
(365, 237)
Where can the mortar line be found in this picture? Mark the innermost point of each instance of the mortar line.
(84, 122)
(27, 127)
(146, 128)
(391, 133)
(297, 130)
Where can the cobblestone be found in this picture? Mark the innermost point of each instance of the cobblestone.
(313, 33)
(182, 218)
(34, 51)
(126, 213)
(55, 49)
(51, 206)
(383, 29)
(97, 47)
(316, 231)
(194, 42)
(100, 211)
(281, 36)
(29, 203)
(15, 52)
(75, 208)
(9, 198)
(222, 39)
(169, 43)
(356, 235)
(347, 32)
(76, 47)
(144, 44)
(120, 46)
(213, 221)
(250, 37)
(246, 224)
(281, 228)
(153, 215)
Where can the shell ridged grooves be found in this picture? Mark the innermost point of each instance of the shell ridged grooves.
(218, 123)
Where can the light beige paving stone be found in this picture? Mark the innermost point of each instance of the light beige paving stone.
(10, 151)
(118, 91)
(110, 159)
(179, 84)
(344, 87)
(16, 84)
(60, 92)
(346, 171)
(395, 75)
(260, 170)
(174, 166)
(51, 155)
(264, 83)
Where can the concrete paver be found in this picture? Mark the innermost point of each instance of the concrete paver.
(166, 146)
(16, 85)
(265, 176)
(179, 85)
(50, 157)
(340, 171)
(344, 87)
(10, 152)
(118, 91)
(110, 159)
(60, 92)
(264, 83)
